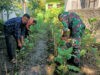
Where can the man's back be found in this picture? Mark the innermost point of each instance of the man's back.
(13, 21)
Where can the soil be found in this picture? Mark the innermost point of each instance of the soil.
(36, 61)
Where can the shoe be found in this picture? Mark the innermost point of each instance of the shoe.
(74, 61)
(77, 61)
(13, 61)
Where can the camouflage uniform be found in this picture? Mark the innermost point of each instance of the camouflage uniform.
(73, 22)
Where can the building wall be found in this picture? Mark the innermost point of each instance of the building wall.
(98, 3)
(80, 4)
(52, 5)
(12, 14)
(73, 4)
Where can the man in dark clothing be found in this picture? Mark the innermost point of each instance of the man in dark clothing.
(15, 27)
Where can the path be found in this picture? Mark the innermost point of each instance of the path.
(36, 61)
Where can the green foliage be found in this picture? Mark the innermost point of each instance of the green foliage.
(74, 68)
(94, 50)
(1, 25)
(83, 52)
(62, 42)
(87, 40)
(59, 59)
(62, 57)
(62, 69)
(32, 28)
(65, 52)
(91, 20)
(93, 23)
(36, 6)
(6, 5)
(28, 46)
(1, 22)
(53, 0)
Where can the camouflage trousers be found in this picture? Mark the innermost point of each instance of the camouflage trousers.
(76, 44)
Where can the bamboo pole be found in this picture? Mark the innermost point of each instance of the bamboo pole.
(55, 45)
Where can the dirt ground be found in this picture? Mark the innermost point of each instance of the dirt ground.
(36, 61)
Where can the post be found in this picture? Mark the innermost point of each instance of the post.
(99, 4)
(7, 14)
(65, 2)
(24, 6)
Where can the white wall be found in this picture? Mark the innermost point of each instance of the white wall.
(73, 4)
(99, 4)
(70, 5)
(11, 15)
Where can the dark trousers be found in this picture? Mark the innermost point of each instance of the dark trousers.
(9, 45)
(8, 31)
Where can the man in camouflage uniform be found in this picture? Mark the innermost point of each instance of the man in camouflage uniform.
(71, 21)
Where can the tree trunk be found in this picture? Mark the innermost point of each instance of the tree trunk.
(65, 1)
(89, 4)
(7, 14)
(24, 6)
(2, 14)
(94, 4)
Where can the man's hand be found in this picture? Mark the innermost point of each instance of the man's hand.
(22, 40)
(19, 45)
(66, 33)
(65, 39)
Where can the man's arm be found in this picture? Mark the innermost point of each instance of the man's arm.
(23, 30)
(66, 31)
(19, 43)
(17, 35)
(65, 28)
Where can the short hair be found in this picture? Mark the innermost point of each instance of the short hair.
(26, 15)
(34, 21)
(59, 16)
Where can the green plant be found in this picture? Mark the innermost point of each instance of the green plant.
(93, 23)
(87, 41)
(1, 25)
(62, 69)
(74, 68)
(61, 58)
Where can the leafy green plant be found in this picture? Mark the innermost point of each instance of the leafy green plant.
(62, 69)
(74, 68)
(62, 42)
(1, 25)
(61, 58)
(87, 42)
(83, 52)
(93, 24)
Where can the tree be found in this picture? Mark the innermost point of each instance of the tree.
(36, 6)
(6, 5)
